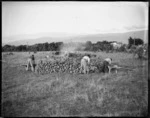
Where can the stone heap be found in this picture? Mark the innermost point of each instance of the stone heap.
(71, 64)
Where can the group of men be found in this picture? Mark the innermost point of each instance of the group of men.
(85, 62)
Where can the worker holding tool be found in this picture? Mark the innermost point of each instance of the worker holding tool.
(31, 63)
(85, 61)
(106, 65)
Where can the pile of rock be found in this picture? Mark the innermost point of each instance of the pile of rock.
(68, 65)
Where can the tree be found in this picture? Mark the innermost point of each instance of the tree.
(6, 48)
(135, 41)
(105, 42)
(139, 41)
(52, 46)
(88, 45)
(130, 42)
(45, 46)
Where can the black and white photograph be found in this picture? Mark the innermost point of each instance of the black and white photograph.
(74, 58)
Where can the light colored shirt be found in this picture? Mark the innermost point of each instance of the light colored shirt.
(108, 60)
(87, 59)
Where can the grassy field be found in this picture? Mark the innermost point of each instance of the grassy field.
(28, 94)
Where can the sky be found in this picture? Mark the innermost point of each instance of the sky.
(72, 18)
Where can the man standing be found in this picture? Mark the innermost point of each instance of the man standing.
(85, 61)
(31, 63)
(106, 65)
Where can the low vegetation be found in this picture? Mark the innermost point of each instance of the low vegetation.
(29, 94)
(87, 46)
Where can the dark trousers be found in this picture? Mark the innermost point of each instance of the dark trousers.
(105, 68)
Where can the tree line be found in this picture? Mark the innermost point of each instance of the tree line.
(36, 47)
(57, 46)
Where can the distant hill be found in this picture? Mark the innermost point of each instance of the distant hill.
(34, 41)
(119, 37)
